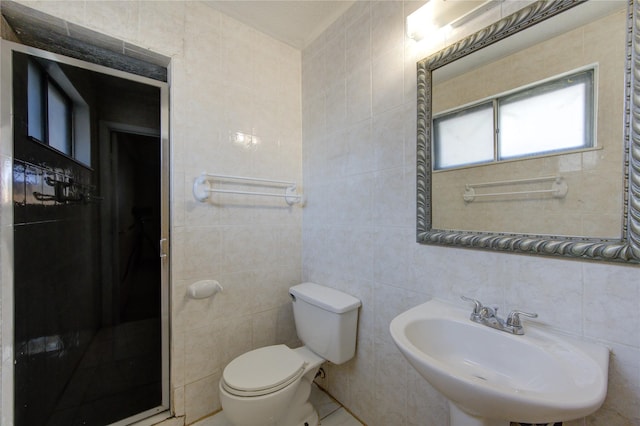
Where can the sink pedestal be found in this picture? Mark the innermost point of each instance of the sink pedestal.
(457, 417)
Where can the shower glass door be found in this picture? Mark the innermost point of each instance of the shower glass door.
(90, 179)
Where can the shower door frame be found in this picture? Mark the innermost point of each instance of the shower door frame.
(7, 48)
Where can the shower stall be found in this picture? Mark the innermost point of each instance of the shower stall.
(89, 185)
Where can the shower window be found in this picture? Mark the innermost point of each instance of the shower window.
(50, 111)
(57, 115)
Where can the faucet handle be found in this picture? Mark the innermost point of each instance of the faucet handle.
(477, 305)
(513, 319)
(488, 312)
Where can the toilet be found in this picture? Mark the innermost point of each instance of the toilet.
(270, 386)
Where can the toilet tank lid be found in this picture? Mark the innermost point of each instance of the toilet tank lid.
(325, 298)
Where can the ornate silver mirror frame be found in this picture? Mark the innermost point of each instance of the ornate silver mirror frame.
(625, 249)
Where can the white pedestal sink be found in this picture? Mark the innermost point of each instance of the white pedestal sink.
(491, 377)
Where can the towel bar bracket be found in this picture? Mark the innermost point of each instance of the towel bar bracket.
(200, 192)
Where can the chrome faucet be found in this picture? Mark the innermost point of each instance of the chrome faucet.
(488, 316)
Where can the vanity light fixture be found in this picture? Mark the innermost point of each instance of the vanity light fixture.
(442, 15)
(421, 22)
(474, 13)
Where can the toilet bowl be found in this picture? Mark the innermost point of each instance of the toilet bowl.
(270, 386)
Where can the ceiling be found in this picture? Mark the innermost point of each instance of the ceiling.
(296, 23)
(299, 22)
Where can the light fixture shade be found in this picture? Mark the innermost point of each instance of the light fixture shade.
(435, 15)
(421, 22)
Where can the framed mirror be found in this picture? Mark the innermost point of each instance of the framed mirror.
(533, 188)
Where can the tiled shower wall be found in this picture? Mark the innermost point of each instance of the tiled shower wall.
(225, 78)
(359, 96)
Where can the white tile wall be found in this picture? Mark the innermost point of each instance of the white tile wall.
(358, 233)
(359, 230)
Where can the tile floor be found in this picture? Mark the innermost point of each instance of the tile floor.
(331, 413)
(118, 376)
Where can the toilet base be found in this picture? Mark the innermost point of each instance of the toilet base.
(313, 419)
(301, 412)
(310, 419)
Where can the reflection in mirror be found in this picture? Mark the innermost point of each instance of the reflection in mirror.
(594, 201)
(532, 187)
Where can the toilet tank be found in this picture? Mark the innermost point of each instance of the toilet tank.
(326, 320)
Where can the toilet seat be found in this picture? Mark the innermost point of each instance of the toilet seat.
(262, 371)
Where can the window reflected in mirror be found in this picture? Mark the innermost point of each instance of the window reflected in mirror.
(547, 117)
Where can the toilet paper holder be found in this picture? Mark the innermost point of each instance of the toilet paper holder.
(203, 289)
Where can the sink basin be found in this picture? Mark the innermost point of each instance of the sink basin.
(491, 377)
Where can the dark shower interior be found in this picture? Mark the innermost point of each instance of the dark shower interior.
(87, 268)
